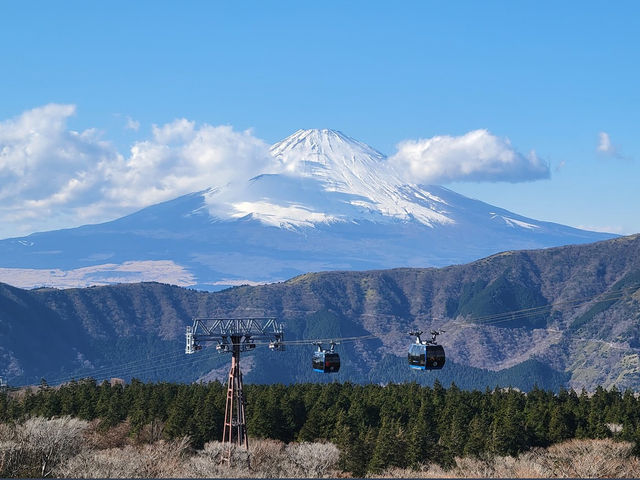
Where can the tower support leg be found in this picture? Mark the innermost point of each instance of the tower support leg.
(235, 428)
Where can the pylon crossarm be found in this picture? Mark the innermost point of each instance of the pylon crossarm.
(245, 331)
(258, 327)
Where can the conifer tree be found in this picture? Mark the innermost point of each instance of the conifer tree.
(389, 450)
(423, 437)
(560, 425)
(355, 447)
(476, 444)
(179, 416)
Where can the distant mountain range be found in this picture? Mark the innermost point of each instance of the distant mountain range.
(572, 319)
(330, 203)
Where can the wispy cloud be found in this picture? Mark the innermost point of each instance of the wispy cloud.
(604, 144)
(132, 124)
(477, 156)
(606, 147)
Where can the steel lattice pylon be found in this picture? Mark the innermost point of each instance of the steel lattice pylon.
(235, 429)
(234, 335)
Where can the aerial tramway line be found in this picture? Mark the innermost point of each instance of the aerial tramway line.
(172, 359)
(236, 335)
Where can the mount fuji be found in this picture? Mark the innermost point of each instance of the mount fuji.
(327, 202)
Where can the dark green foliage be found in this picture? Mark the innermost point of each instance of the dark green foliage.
(523, 376)
(609, 298)
(376, 427)
(481, 298)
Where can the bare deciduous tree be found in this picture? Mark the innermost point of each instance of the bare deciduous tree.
(51, 441)
(159, 460)
(313, 459)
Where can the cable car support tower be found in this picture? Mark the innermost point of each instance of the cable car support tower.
(234, 335)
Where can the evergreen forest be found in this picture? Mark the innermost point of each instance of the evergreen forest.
(375, 427)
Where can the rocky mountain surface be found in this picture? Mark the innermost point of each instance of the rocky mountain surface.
(559, 316)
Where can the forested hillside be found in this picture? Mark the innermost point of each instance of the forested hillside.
(565, 316)
(375, 427)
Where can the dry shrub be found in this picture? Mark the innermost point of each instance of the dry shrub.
(150, 433)
(102, 439)
(425, 471)
(312, 459)
(7, 432)
(268, 459)
(575, 458)
(585, 458)
(208, 462)
(39, 445)
(160, 460)
(10, 459)
(9, 450)
(520, 467)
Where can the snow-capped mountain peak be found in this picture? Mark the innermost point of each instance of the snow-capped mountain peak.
(307, 151)
(323, 202)
(324, 176)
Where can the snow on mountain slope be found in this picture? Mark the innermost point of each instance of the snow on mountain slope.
(326, 202)
(323, 176)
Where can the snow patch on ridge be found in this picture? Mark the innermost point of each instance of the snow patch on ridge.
(512, 222)
(281, 216)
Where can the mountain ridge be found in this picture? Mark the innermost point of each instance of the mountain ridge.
(583, 320)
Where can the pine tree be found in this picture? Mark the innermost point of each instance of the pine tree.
(389, 450)
(178, 421)
(476, 445)
(560, 427)
(355, 447)
(311, 430)
(423, 437)
(508, 428)
(86, 395)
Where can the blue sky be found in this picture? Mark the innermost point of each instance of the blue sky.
(548, 76)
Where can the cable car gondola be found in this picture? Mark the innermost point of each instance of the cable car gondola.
(426, 355)
(325, 361)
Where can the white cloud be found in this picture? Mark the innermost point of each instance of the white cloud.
(132, 124)
(604, 144)
(53, 177)
(46, 170)
(477, 156)
(605, 147)
(182, 158)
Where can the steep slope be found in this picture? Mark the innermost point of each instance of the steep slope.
(33, 335)
(328, 202)
(579, 316)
